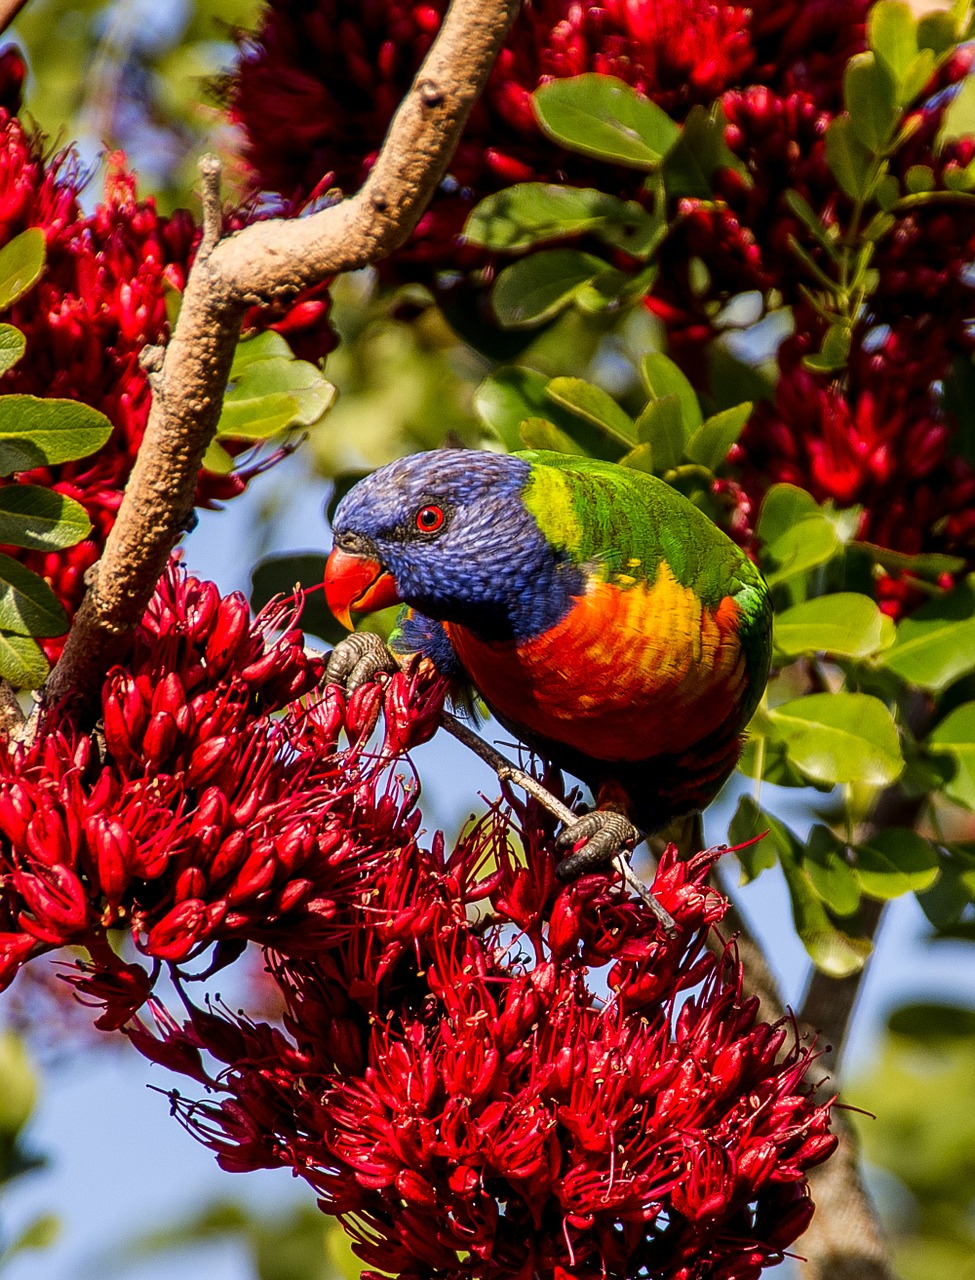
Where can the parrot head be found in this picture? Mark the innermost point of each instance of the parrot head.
(447, 533)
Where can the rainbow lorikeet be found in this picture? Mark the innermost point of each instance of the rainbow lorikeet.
(601, 616)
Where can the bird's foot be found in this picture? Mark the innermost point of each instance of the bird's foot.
(609, 837)
(606, 833)
(358, 659)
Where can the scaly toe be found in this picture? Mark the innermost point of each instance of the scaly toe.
(358, 659)
(605, 833)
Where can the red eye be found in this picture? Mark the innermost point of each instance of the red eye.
(429, 519)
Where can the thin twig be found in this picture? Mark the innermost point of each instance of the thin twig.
(266, 261)
(507, 772)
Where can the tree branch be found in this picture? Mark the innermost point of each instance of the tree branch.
(265, 261)
(8, 11)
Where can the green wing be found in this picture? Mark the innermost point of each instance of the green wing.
(615, 521)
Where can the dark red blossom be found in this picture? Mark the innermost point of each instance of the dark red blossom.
(197, 815)
(316, 87)
(449, 1083)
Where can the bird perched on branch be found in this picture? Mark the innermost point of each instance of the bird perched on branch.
(603, 618)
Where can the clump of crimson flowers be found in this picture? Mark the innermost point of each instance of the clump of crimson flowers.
(312, 119)
(444, 1074)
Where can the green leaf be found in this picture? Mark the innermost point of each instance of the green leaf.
(21, 265)
(847, 157)
(510, 396)
(896, 861)
(37, 433)
(759, 855)
(534, 289)
(768, 760)
(936, 644)
(664, 378)
(13, 344)
(700, 152)
(955, 737)
(28, 606)
(870, 92)
(258, 417)
(809, 543)
(531, 213)
(601, 116)
(783, 507)
(217, 459)
(919, 177)
(661, 426)
(640, 458)
(840, 737)
(832, 950)
(22, 661)
(834, 352)
(539, 433)
(930, 566)
(958, 121)
(279, 575)
(710, 443)
(825, 861)
(41, 519)
(892, 35)
(847, 624)
(270, 391)
(594, 405)
(18, 1084)
(40, 1233)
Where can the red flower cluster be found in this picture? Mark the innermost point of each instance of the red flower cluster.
(316, 87)
(456, 1093)
(197, 815)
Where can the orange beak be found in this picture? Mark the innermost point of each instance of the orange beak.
(357, 584)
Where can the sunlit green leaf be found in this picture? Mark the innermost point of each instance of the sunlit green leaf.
(892, 35)
(758, 855)
(930, 565)
(847, 624)
(21, 265)
(710, 443)
(955, 737)
(28, 606)
(595, 405)
(41, 519)
(664, 378)
(540, 286)
(847, 157)
(958, 120)
(661, 426)
(258, 417)
(936, 644)
(531, 213)
(510, 396)
(12, 346)
(36, 432)
(840, 737)
(601, 116)
(870, 92)
(895, 861)
(22, 661)
(539, 433)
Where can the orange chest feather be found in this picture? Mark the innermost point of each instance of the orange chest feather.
(630, 672)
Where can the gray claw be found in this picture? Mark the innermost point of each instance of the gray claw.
(358, 659)
(605, 831)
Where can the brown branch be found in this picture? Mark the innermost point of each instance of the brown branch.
(265, 261)
(844, 1241)
(11, 717)
(8, 11)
